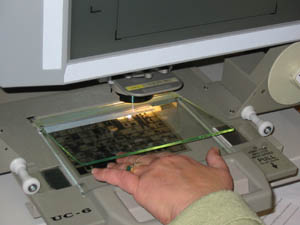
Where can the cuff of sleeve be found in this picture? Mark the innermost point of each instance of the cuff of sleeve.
(223, 207)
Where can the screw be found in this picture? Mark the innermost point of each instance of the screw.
(32, 188)
(148, 75)
(267, 130)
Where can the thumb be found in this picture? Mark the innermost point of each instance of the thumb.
(214, 159)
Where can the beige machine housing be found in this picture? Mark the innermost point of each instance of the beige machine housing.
(258, 160)
(267, 80)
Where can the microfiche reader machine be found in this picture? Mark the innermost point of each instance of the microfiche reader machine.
(82, 80)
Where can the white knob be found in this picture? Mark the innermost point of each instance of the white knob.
(30, 184)
(265, 128)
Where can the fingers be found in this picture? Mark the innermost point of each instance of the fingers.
(138, 168)
(129, 159)
(110, 165)
(120, 166)
(122, 178)
(214, 159)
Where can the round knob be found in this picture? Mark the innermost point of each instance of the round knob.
(30, 184)
(265, 128)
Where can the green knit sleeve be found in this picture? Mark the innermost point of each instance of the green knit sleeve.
(219, 208)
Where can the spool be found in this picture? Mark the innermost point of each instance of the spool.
(284, 77)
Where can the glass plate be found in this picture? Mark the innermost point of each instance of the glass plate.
(94, 136)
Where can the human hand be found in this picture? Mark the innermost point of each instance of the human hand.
(165, 184)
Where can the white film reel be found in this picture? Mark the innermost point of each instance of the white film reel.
(284, 77)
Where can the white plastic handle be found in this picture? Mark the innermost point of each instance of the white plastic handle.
(30, 184)
(265, 128)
